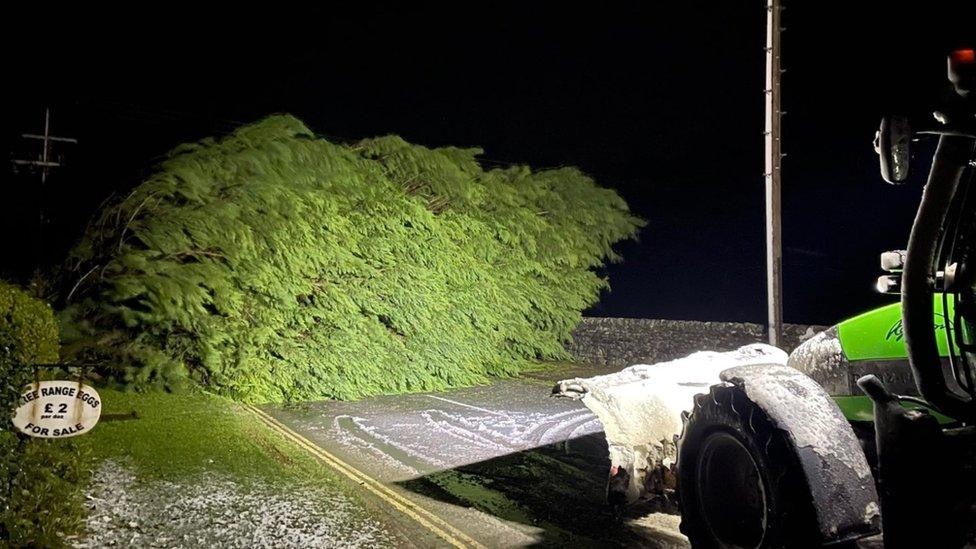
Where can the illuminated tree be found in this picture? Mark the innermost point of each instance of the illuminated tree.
(272, 264)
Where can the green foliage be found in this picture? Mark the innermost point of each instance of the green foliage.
(273, 265)
(40, 496)
(42, 492)
(28, 328)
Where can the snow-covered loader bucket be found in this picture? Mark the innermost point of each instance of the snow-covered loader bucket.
(756, 453)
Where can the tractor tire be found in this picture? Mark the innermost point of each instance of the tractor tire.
(739, 481)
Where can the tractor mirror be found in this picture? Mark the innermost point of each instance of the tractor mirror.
(891, 145)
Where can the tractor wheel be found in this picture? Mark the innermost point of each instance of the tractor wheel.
(739, 481)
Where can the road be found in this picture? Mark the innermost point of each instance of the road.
(506, 465)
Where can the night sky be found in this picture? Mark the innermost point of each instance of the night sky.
(660, 100)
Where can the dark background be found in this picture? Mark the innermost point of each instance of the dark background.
(660, 100)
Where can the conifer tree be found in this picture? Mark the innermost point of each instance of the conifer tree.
(271, 264)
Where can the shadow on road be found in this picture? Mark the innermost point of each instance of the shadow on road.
(557, 490)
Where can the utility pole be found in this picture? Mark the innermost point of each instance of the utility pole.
(773, 173)
(44, 163)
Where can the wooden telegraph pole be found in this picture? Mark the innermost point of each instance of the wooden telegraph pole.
(774, 157)
(43, 163)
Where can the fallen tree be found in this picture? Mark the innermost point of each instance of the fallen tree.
(271, 264)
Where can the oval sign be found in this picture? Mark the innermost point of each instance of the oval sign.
(57, 409)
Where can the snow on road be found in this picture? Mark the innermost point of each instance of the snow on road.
(408, 436)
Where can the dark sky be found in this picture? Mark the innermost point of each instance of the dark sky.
(660, 100)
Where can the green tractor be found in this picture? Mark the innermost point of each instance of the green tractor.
(905, 373)
(866, 428)
(872, 343)
(929, 464)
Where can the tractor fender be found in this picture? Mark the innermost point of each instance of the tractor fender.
(830, 456)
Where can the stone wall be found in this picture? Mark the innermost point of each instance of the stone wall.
(620, 342)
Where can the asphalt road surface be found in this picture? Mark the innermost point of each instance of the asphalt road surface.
(506, 464)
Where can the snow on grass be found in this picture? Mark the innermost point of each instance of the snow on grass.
(219, 511)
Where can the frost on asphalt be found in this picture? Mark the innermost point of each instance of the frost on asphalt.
(218, 511)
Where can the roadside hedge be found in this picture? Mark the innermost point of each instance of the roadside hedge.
(271, 264)
(40, 480)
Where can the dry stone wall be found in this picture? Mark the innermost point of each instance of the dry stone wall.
(620, 342)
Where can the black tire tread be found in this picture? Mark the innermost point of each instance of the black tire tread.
(792, 519)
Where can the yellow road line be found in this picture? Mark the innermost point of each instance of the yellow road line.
(426, 519)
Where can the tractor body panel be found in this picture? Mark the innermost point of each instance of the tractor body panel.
(871, 343)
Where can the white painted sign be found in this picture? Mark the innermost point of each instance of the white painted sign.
(57, 409)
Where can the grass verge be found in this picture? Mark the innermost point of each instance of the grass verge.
(188, 433)
(199, 443)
